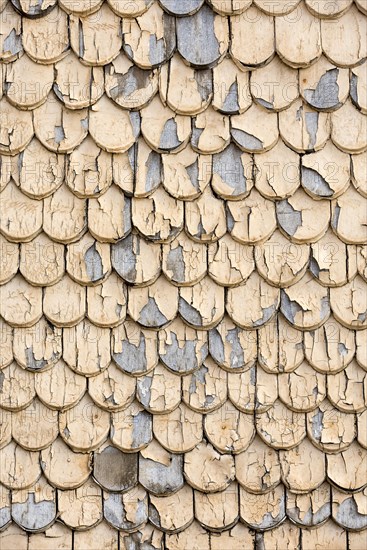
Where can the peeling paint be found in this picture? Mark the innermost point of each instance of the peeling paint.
(289, 218)
(326, 93)
(315, 183)
(246, 140)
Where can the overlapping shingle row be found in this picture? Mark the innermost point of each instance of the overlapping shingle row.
(183, 300)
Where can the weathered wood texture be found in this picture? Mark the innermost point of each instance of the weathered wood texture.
(183, 275)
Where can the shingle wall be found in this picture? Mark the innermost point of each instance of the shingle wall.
(183, 301)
